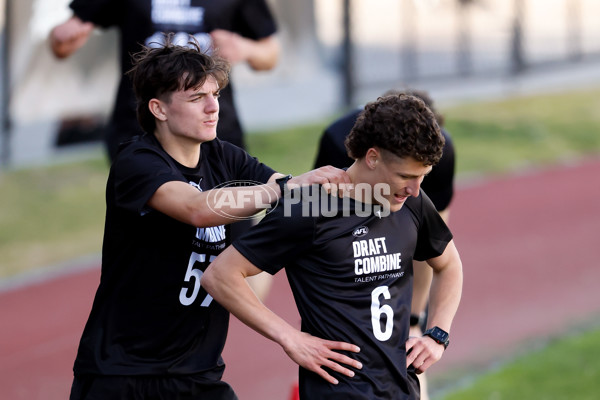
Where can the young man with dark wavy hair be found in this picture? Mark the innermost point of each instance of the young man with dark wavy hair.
(153, 331)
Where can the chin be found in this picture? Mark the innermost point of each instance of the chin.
(209, 137)
(396, 207)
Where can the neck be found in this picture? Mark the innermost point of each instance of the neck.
(352, 172)
(358, 175)
(184, 152)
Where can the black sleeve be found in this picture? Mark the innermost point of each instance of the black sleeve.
(279, 238)
(137, 177)
(103, 13)
(434, 235)
(255, 20)
(329, 153)
(241, 165)
(439, 184)
(332, 150)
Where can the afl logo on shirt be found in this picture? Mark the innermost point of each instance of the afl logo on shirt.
(360, 231)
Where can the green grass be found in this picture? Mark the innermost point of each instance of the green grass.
(529, 131)
(53, 214)
(292, 150)
(50, 215)
(567, 369)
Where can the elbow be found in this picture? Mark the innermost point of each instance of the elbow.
(268, 64)
(203, 218)
(213, 282)
(270, 55)
(60, 54)
(208, 280)
(59, 50)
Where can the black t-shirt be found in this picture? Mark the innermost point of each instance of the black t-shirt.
(351, 275)
(139, 21)
(150, 315)
(439, 184)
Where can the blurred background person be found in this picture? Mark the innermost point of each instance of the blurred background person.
(237, 30)
(439, 186)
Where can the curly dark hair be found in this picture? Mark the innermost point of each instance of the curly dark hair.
(401, 124)
(162, 68)
(423, 95)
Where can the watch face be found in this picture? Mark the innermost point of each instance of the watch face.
(437, 334)
(441, 335)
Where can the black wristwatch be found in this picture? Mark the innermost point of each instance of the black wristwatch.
(282, 182)
(439, 335)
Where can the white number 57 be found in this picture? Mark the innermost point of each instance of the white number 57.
(187, 298)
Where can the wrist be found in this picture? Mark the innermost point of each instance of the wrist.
(282, 183)
(438, 335)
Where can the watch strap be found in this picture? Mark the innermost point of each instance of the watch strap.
(282, 182)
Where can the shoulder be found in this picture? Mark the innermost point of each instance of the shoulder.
(139, 144)
(421, 205)
(220, 152)
(222, 148)
(344, 124)
(142, 153)
(448, 145)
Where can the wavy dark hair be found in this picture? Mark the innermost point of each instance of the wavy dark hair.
(400, 124)
(160, 69)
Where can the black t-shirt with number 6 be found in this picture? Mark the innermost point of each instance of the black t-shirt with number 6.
(350, 271)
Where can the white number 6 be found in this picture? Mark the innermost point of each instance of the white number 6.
(377, 311)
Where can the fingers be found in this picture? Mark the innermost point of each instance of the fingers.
(320, 356)
(341, 358)
(335, 361)
(421, 364)
(334, 367)
(330, 178)
(422, 353)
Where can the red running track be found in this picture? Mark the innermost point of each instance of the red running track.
(528, 247)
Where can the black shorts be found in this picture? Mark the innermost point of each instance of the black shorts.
(185, 387)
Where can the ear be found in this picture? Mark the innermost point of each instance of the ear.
(372, 157)
(157, 109)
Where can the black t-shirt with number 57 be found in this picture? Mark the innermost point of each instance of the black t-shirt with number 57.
(350, 271)
(150, 315)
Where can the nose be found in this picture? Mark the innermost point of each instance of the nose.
(212, 105)
(413, 187)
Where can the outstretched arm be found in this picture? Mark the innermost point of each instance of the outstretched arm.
(225, 281)
(68, 37)
(261, 55)
(445, 293)
(184, 203)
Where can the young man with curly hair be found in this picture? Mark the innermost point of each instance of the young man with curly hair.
(439, 186)
(349, 263)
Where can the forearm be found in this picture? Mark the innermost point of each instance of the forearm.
(184, 203)
(445, 294)
(263, 54)
(212, 207)
(233, 292)
(68, 37)
(225, 281)
(422, 275)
